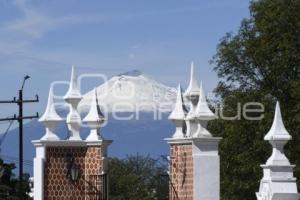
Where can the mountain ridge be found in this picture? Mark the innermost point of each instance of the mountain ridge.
(132, 91)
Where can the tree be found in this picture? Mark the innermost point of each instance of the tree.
(9, 184)
(261, 62)
(137, 177)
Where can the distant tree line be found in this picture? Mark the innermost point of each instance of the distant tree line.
(138, 177)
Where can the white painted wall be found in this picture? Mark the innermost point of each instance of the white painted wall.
(206, 167)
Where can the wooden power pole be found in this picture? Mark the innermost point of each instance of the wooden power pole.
(20, 101)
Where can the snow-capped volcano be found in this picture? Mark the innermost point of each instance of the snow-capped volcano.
(132, 91)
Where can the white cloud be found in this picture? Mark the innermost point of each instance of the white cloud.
(34, 23)
(18, 34)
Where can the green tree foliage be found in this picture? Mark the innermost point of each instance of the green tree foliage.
(9, 184)
(137, 177)
(261, 62)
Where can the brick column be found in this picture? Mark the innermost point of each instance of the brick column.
(194, 159)
(50, 174)
(181, 169)
(194, 169)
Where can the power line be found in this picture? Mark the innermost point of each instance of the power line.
(13, 157)
(4, 122)
(5, 133)
(16, 160)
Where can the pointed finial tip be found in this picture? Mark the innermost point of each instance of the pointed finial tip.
(179, 90)
(51, 90)
(179, 86)
(192, 66)
(72, 71)
(277, 105)
(278, 130)
(277, 109)
(193, 87)
(50, 113)
(201, 88)
(51, 93)
(73, 92)
(178, 112)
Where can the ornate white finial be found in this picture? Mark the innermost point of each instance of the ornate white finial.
(73, 98)
(278, 181)
(192, 94)
(278, 137)
(50, 119)
(203, 111)
(94, 119)
(278, 131)
(193, 89)
(73, 92)
(203, 114)
(178, 115)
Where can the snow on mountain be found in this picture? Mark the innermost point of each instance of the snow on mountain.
(132, 91)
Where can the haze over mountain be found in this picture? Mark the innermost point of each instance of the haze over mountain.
(136, 108)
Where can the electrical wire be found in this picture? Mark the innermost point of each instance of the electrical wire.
(12, 158)
(16, 160)
(5, 133)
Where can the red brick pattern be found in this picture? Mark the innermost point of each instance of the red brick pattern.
(93, 168)
(181, 172)
(58, 187)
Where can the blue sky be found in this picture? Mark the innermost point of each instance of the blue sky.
(43, 38)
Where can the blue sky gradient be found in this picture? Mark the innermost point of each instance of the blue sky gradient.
(43, 38)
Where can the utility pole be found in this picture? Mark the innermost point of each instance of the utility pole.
(20, 119)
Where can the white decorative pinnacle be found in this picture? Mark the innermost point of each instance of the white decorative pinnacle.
(278, 181)
(73, 97)
(178, 112)
(203, 114)
(94, 119)
(278, 137)
(203, 111)
(192, 94)
(50, 113)
(193, 88)
(50, 119)
(278, 131)
(73, 92)
(178, 115)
